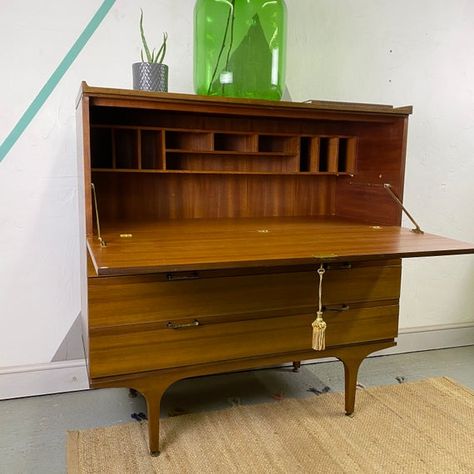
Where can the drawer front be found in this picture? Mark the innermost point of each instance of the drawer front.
(120, 351)
(117, 301)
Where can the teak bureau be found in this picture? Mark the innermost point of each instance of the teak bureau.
(207, 219)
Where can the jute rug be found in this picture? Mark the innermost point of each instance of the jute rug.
(421, 427)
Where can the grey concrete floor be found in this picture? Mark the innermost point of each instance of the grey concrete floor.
(33, 430)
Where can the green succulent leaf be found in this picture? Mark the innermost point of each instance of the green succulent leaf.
(145, 44)
(152, 57)
(160, 56)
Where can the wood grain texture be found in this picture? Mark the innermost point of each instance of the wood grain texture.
(138, 197)
(137, 351)
(116, 302)
(198, 244)
(380, 159)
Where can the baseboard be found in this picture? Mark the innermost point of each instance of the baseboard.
(42, 379)
(70, 376)
(425, 338)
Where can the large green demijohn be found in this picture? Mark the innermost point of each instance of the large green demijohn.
(240, 48)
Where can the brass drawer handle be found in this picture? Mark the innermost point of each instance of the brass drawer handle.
(339, 266)
(182, 276)
(337, 307)
(171, 325)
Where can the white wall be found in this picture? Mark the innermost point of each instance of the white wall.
(39, 284)
(404, 52)
(417, 52)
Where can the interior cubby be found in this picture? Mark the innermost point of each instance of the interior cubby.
(235, 142)
(126, 148)
(228, 162)
(102, 146)
(305, 154)
(151, 150)
(335, 155)
(276, 143)
(323, 155)
(188, 140)
(347, 154)
(342, 155)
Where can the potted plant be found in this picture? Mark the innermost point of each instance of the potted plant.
(151, 74)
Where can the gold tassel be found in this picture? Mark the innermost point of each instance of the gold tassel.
(319, 331)
(319, 325)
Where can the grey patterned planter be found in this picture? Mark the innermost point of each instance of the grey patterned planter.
(150, 77)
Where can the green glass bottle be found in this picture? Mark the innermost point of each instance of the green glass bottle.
(240, 48)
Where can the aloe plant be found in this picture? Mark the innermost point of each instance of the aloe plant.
(152, 57)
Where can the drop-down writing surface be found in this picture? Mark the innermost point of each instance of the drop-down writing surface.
(201, 244)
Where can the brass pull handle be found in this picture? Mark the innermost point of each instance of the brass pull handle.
(339, 266)
(171, 325)
(337, 307)
(182, 276)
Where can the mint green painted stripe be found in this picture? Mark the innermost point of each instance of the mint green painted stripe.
(54, 79)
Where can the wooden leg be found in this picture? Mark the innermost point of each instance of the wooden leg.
(153, 388)
(351, 369)
(153, 402)
(296, 365)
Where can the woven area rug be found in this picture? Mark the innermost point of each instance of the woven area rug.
(420, 427)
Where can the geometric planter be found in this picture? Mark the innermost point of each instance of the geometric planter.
(150, 77)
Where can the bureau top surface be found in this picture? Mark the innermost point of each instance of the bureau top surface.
(109, 97)
(201, 244)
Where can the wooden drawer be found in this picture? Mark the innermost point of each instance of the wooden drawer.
(120, 351)
(148, 299)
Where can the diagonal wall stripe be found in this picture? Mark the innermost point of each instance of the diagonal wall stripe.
(54, 79)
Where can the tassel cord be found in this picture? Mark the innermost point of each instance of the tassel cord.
(321, 272)
(319, 325)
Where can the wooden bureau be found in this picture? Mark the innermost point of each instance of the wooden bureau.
(206, 220)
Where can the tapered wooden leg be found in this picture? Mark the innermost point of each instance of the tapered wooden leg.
(351, 369)
(153, 403)
(296, 365)
(153, 388)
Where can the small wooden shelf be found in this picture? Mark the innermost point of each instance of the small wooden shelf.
(172, 171)
(263, 154)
